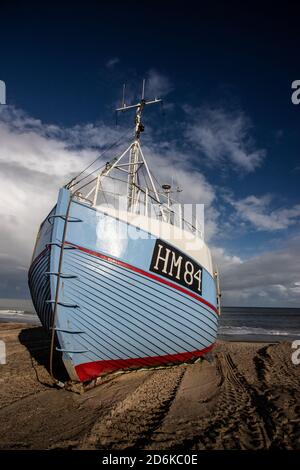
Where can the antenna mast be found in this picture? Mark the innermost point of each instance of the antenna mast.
(134, 159)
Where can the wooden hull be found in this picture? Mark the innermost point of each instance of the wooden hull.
(118, 306)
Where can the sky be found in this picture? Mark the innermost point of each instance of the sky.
(228, 131)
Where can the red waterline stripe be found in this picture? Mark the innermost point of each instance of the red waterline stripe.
(91, 370)
(147, 274)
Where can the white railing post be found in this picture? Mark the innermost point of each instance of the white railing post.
(180, 215)
(96, 190)
(146, 202)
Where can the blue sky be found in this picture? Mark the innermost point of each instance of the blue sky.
(228, 126)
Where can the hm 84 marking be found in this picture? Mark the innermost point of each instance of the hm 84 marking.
(174, 265)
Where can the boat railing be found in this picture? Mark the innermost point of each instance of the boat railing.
(165, 209)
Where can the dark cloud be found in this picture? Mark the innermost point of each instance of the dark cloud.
(271, 279)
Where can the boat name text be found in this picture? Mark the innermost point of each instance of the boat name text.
(173, 264)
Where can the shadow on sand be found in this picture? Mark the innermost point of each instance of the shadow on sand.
(37, 342)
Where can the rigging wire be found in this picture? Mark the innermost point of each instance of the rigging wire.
(91, 173)
(125, 134)
(86, 176)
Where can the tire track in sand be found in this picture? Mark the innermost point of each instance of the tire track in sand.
(280, 380)
(236, 421)
(244, 403)
(133, 420)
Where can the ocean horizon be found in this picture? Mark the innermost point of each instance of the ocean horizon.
(260, 324)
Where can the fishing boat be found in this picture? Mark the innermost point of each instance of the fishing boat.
(119, 277)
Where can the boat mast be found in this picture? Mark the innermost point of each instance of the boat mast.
(135, 157)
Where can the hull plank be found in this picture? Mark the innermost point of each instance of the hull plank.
(39, 286)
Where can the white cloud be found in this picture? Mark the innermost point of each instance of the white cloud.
(257, 211)
(112, 62)
(157, 85)
(271, 279)
(224, 260)
(33, 167)
(224, 138)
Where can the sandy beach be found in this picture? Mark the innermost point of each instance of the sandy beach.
(242, 396)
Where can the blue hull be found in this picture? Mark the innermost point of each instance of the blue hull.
(114, 311)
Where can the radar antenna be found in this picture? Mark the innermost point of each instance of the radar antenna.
(135, 149)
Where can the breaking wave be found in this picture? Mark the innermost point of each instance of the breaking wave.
(244, 330)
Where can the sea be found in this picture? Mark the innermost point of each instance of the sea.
(236, 323)
(259, 324)
(18, 316)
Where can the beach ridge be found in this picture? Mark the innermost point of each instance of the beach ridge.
(241, 396)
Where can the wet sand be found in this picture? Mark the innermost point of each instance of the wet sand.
(241, 396)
